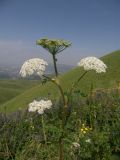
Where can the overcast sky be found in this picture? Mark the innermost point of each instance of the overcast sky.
(93, 27)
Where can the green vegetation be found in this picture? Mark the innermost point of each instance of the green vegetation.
(93, 122)
(83, 122)
(110, 79)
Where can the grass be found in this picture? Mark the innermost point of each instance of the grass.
(97, 120)
(115, 157)
(110, 79)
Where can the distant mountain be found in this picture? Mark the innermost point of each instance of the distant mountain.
(13, 72)
(7, 72)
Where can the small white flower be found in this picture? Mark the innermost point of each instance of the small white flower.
(92, 63)
(76, 145)
(40, 111)
(88, 140)
(39, 106)
(33, 66)
(33, 107)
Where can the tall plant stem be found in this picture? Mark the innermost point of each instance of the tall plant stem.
(55, 65)
(61, 145)
(58, 86)
(61, 142)
(44, 134)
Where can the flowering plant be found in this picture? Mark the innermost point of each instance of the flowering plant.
(38, 66)
(92, 63)
(39, 106)
(53, 46)
(33, 66)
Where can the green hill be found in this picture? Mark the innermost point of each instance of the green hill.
(104, 80)
(11, 88)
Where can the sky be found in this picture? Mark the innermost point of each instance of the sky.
(92, 26)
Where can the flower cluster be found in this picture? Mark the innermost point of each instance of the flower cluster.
(92, 63)
(54, 46)
(76, 145)
(88, 140)
(39, 106)
(33, 66)
(85, 129)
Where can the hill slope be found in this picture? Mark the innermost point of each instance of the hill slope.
(11, 88)
(104, 80)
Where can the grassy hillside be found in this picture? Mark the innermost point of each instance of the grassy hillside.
(104, 80)
(11, 88)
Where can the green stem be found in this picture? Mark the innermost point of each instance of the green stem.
(55, 65)
(59, 87)
(61, 141)
(44, 134)
(61, 145)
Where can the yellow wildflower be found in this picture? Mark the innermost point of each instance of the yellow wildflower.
(82, 129)
(84, 132)
(86, 129)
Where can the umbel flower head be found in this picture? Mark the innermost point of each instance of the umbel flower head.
(33, 66)
(54, 46)
(76, 145)
(93, 63)
(39, 106)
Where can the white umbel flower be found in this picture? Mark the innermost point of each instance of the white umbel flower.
(76, 145)
(39, 106)
(92, 63)
(88, 140)
(33, 66)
